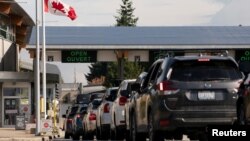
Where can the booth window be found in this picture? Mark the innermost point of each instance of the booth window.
(6, 28)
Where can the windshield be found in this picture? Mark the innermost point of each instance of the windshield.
(83, 98)
(96, 95)
(96, 103)
(73, 110)
(214, 70)
(112, 95)
(83, 109)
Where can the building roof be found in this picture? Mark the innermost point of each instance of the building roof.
(20, 19)
(175, 35)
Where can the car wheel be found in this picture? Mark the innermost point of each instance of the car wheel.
(66, 135)
(127, 136)
(104, 134)
(118, 134)
(203, 137)
(98, 135)
(241, 115)
(75, 137)
(112, 134)
(133, 131)
(152, 134)
(178, 136)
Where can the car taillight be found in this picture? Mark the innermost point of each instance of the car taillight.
(164, 122)
(69, 120)
(246, 92)
(92, 116)
(106, 108)
(78, 115)
(166, 88)
(122, 100)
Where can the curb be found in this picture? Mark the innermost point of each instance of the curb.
(21, 139)
(27, 139)
(5, 139)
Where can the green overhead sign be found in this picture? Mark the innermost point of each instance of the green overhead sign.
(79, 56)
(245, 56)
(242, 55)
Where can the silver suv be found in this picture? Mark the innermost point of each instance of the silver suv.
(182, 95)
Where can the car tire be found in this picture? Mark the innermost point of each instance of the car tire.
(118, 134)
(75, 137)
(112, 134)
(127, 136)
(98, 134)
(241, 119)
(203, 137)
(104, 134)
(152, 134)
(134, 136)
(66, 135)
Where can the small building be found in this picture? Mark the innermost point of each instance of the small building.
(17, 94)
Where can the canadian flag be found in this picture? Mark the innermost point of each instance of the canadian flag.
(59, 8)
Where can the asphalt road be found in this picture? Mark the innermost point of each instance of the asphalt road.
(185, 138)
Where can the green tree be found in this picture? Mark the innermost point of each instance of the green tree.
(131, 70)
(126, 16)
(97, 70)
(126, 70)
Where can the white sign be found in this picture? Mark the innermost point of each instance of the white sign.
(11, 111)
(46, 125)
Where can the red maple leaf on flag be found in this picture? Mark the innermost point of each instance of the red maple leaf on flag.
(58, 6)
(71, 13)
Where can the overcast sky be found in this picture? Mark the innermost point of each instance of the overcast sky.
(150, 13)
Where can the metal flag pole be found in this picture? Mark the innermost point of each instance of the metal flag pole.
(37, 74)
(44, 63)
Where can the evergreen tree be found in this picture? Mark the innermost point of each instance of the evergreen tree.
(126, 17)
(97, 70)
(109, 70)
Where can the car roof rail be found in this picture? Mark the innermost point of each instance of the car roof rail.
(168, 54)
(222, 53)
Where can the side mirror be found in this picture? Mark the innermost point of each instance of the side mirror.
(63, 116)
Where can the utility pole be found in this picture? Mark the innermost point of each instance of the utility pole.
(44, 63)
(37, 75)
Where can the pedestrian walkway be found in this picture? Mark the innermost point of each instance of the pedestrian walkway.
(11, 134)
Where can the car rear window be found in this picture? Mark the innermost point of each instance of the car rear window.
(83, 109)
(96, 103)
(96, 95)
(112, 95)
(73, 110)
(207, 70)
(83, 98)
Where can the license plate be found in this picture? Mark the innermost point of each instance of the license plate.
(206, 95)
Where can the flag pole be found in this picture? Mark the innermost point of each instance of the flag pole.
(37, 74)
(44, 63)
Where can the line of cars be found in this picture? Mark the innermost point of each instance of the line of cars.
(176, 96)
(80, 117)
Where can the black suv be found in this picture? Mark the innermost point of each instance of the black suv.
(182, 95)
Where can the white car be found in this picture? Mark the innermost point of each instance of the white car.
(89, 120)
(117, 127)
(103, 119)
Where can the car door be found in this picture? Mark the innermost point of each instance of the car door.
(143, 98)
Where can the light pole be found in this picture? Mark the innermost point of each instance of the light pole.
(37, 75)
(44, 63)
